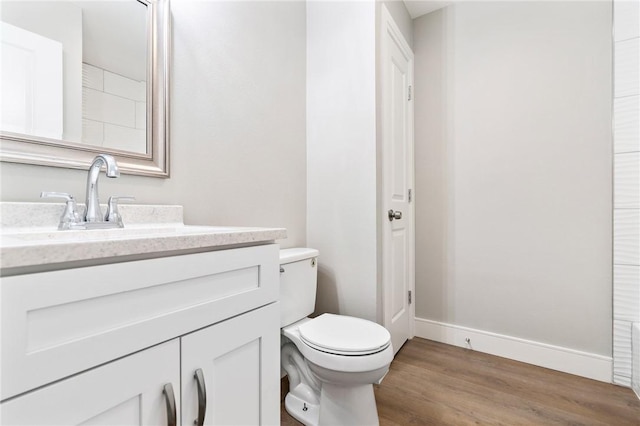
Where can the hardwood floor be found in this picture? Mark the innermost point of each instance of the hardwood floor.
(431, 383)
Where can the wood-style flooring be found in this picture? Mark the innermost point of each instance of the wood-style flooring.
(431, 383)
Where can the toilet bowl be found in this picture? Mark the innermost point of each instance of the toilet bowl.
(332, 360)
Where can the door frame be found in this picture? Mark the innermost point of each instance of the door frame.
(389, 28)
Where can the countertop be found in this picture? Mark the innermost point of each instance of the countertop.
(30, 241)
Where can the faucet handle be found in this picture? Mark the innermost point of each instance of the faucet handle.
(70, 215)
(112, 209)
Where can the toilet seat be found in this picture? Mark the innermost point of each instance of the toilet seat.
(337, 362)
(344, 335)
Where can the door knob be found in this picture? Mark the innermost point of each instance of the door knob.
(394, 215)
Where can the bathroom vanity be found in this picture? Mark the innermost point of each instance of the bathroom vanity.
(157, 323)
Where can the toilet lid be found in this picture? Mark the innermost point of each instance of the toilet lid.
(339, 334)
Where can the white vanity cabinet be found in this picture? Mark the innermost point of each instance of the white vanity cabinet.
(104, 344)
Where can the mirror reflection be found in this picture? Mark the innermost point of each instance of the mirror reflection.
(76, 71)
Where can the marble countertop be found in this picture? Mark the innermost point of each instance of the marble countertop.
(31, 242)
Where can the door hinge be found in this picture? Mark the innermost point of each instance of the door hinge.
(409, 296)
(410, 195)
(409, 93)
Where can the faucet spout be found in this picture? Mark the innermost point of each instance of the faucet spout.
(93, 213)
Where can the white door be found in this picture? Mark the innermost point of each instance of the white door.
(140, 389)
(231, 371)
(31, 83)
(397, 183)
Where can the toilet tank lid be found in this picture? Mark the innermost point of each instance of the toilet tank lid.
(295, 254)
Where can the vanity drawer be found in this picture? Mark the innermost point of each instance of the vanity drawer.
(55, 324)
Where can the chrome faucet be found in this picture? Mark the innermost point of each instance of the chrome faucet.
(92, 217)
(93, 213)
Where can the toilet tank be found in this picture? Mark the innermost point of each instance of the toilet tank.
(298, 283)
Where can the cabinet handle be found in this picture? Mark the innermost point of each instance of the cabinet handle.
(170, 399)
(202, 396)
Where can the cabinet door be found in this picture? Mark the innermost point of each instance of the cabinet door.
(129, 391)
(240, 363)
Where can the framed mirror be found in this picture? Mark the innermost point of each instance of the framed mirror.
(85, 77)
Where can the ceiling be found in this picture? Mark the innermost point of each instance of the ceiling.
(421, 7)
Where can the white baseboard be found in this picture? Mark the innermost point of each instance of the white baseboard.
(558, 358)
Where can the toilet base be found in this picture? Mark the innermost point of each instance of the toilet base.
(339, 405)
(348, 405)
(302, 411)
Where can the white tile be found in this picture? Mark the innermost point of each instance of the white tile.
(125, 87)
(91, 104)
(626, 179)
(142, 91)
(626, 237)
(141, 115)
(119, 111)
(626, 293)
(622, 349)
(92, 132)
(626, 19)
(92, 77)
(635, 355)
(627, 68)
(125, 138)
(622, 380)
(108, 108)
(627, 124)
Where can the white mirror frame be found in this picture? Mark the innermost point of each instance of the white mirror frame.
(19, 148)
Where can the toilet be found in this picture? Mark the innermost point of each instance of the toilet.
(332, 360)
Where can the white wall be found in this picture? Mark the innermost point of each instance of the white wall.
(123, 51)
(341, 154)
(626, 213)
(513, 170)
(237, 122)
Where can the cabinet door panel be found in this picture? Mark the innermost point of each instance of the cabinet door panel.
(240, 360)
(125, 392)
